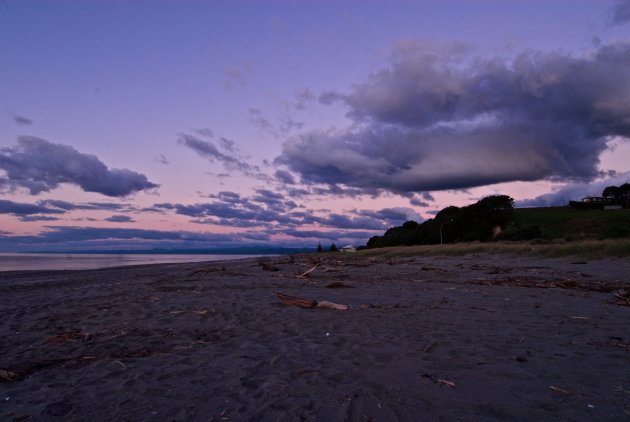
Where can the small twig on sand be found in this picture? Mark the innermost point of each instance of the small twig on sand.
(208, 270)
(559, 390)
(309, 303)
(439, 381)
(431, 346)
(339, 285)
(618, 387)
(120, 363)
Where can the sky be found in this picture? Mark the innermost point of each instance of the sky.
(139, 124)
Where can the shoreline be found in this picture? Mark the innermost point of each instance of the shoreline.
(471, 337)
(78, 262)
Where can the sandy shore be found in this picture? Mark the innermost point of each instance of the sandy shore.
(464, 338)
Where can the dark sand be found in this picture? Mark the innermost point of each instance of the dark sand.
(426, 338)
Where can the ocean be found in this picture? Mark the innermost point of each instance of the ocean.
(52, 261)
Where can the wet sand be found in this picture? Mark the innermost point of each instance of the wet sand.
(429, 338)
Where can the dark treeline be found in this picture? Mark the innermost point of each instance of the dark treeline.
(482, 221)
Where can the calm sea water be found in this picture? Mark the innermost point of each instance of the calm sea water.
(30, 261)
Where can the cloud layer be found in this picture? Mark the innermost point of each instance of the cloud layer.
(40, 166)
(221, 150)
(436, 120)
(621, 12)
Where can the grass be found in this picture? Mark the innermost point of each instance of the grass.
(573, 224)
(589, 249)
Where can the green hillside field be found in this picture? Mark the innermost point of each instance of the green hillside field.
(573, 224)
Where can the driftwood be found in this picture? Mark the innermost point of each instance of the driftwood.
(308, 303)
(439, 381)
(208, 270)
(330, 305)
(535, 282)
(339, 285)
(559, 390)
(8, 375)
(269, 267)
(307, 272)
(622, 297)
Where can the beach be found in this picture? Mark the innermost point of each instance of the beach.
(477, 337)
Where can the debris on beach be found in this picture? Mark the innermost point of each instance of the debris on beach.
(539, 283)
(69, 336)
(439, 381)
(430, 346)
(339, 285)
(622, 297)
(559, 390)
(307, 272)
(309, 303)
(269, 267)
(8, 375)
(208, 270)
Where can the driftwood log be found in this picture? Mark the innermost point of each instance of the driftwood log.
(309, 303)
(8, 375)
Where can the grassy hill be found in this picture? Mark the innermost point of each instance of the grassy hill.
(573, 224)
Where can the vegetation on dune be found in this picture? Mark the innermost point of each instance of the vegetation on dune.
(493, 225)
(575, 224)
(588, 249)
(481, 221)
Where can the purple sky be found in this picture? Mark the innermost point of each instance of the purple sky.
(140, 124)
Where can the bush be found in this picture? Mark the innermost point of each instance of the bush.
(521, 233)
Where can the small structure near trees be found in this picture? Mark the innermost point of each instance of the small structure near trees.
(613, 197)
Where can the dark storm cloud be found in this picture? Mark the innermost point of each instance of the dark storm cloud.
(270, 199)
(427, 196)
(392, 216)
(330, 235)
(621, 12)
(418, 202)
(39, 211)
(93, 206)
(226, 196)
(40, 166)
(21, 209)
(27, 218)
(341, 221)
(120, 219)
(284, 177)
(225, 153)
(21, 120)
(273, 213)
(437, 121)
(232, 210)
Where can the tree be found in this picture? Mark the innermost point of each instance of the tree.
(333, 248)
(477, 221)
(611, 192)
(319, 247)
